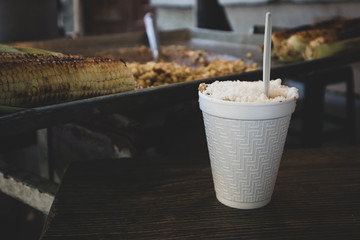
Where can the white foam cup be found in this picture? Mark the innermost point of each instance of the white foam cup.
(245, 143)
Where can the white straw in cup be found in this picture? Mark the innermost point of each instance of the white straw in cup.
(267, 53)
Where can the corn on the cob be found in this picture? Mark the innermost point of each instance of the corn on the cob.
(318, 48)
(317, 40)
(42, 81)
(14, 49)
(14, 57)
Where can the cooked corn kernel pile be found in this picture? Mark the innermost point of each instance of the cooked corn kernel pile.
(153, 74)
(177, 64)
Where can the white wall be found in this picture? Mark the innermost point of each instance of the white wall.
(175, 14)
(243, 17)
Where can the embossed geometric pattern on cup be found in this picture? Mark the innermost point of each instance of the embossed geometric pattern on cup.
(245, 156)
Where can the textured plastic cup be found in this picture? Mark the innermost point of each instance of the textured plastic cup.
(245, 143)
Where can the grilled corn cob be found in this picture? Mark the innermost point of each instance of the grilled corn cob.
(14, 57)
(14, 49)
(319, 48)
(317, 40)
(42, 81)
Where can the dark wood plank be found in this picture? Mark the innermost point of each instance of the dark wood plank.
(317, 195)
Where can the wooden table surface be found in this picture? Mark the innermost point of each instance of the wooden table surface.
(317, 195)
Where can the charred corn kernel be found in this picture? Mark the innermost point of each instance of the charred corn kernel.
(42, 81)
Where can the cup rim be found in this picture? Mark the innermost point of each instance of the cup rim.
(245, 103)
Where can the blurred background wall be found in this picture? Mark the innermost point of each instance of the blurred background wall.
(244, 14)
(28, 20)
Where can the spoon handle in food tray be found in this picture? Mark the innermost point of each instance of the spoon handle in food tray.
(152, 35)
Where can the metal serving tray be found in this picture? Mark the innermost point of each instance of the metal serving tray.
(228, 43)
